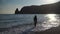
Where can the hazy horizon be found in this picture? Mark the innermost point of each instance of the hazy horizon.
(9, 6)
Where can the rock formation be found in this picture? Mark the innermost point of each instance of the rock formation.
(17, 11)
(43, 9)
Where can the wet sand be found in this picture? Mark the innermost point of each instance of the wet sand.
(54, 30)
(21, 29)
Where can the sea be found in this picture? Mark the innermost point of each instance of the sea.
(44, 21)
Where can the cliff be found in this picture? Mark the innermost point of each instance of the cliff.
(43, 9)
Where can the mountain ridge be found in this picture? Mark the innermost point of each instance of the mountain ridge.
(43, 9)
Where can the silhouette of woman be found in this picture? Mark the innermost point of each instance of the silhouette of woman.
(35, 20)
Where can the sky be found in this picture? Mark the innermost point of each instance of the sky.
(9, 6)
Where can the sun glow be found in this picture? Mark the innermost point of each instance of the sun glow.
(51, 17)
(50, 1)
(53, 21)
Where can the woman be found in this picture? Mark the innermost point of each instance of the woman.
(35, 20)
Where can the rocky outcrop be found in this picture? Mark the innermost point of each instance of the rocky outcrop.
(43, 9)
(17, 11)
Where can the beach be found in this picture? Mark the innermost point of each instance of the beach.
(29, 29)
(15, 29)
(54, 30)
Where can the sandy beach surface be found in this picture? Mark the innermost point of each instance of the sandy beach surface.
(29, 29)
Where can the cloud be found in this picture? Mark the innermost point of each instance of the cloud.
(49, 1)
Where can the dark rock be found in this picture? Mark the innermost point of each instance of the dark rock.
(43, 9)
(16, 11)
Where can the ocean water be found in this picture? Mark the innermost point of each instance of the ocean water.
(26, 22)
(8, 20)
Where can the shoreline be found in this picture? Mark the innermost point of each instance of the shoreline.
(17, 26)
(53, 30)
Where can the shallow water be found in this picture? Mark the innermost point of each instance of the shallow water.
(45, 21)
(8, 20)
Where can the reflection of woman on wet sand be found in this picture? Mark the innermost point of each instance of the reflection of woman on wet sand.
(35, 20)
